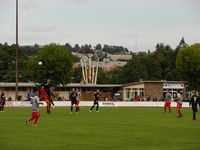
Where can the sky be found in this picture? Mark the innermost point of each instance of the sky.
(135, 24)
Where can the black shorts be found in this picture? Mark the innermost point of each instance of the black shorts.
(194, 109)
(2, 102)
(96, 102)
(73, 102)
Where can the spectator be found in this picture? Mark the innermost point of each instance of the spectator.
(2, 101)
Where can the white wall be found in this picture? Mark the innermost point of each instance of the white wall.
(101, 103)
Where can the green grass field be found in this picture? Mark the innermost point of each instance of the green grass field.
(110, 129)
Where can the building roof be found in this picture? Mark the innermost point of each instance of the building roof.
(6, 84)
(9, 84)
(92, 85)
(70, 85)
(149, 81)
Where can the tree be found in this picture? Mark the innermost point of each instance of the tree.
(7, 63)
(182, 44)
(142, 66)
(68, 46)
(86, 49)
(56, 64)
(114, 76)
(188, 63)
(77, 75)
(102, 76)
(166, 58)
(76, 48)
(98, 47)
(133, 71)
(29, 50)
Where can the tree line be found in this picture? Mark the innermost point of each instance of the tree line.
(85, 49)
(165, 63)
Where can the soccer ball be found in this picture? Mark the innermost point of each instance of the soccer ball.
(39, 63)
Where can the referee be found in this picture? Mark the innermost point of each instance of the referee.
(194, 102)
(96, 101)
(73, 97)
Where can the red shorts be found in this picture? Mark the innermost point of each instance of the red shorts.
(178, 106)
(167, 104)
(35, 114)
(47, 99)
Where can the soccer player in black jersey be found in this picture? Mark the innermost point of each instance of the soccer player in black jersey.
(73, 97)
(96, 101)
(2, 101)
(52, 96)
(194, 101)
(47, 87)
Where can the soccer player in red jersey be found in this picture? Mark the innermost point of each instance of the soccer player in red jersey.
(44, 96)
(79, 97)
(35, 109)
(179, 104)
(168, 99)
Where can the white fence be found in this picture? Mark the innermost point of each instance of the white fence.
(101, 103)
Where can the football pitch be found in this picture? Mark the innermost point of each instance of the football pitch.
(113, 128)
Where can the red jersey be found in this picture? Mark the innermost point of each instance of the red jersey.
(43, 93)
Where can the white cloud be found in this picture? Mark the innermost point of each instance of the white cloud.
(29, 5)
(122, 22)
(78, 1)
(39, 28)
(130, 35)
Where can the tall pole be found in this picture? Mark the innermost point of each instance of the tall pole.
(89, 59)
(83, 70)
(17, 53)
(97, 66)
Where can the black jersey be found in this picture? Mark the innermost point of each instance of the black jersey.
(96, 96)
(73, 96)
(2, 98)
(47, 88)
(194, 101)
